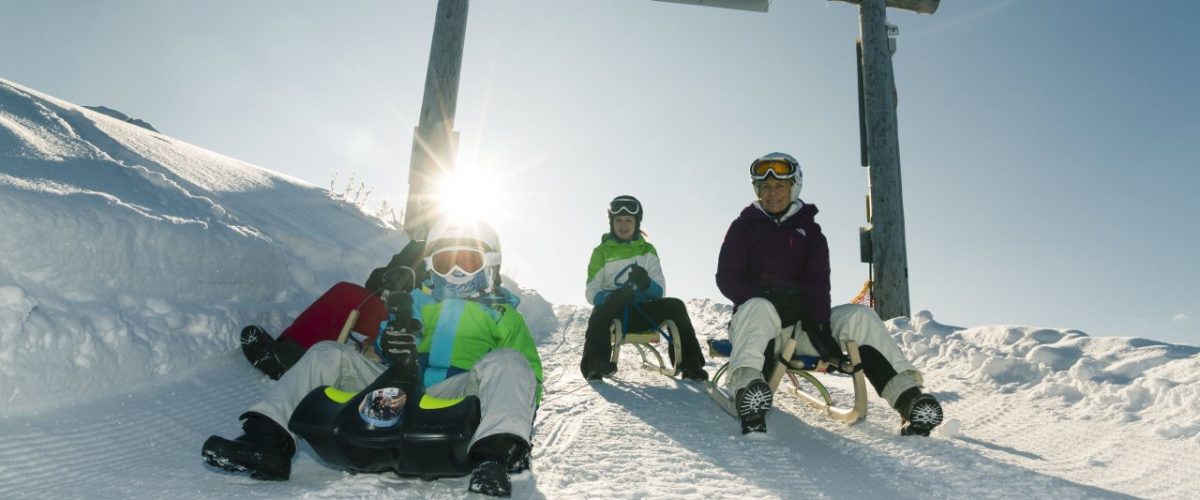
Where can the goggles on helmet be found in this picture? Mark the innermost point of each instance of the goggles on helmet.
(777, 168)
(463, 259)
(624, 206)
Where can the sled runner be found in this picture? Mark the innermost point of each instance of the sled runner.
(644, 342)
(797, 367)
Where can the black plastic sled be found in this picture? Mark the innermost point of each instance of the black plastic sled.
(386, 427)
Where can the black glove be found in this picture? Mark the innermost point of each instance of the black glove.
(398, 343)
(638, 277)
(414, 272)
(787, 305)
(618, 298)
(828, 349)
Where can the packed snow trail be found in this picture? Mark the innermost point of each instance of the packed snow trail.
(637, 435)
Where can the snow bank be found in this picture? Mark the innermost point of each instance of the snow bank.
(1110, 378)
(126, 254)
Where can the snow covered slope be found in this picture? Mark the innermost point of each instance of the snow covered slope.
(129, 260)
(643, 435)
(126, 255)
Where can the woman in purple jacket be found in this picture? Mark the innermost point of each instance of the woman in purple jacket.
(774, 266)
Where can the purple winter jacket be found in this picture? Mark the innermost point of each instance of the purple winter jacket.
(759, 254)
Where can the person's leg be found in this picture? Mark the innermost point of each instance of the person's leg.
(672, 308)
(753, 327)
(265, 449)
(506, 387)
(324, 318)
(507, 391)
(326, 363)
(887, 368)
(597, 344)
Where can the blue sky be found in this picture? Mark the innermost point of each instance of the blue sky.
(1047, 148)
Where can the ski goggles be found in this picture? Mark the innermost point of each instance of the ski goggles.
(463, 259)
(624, 206)
(779, 169)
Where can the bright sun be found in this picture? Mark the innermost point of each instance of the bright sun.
(470, 192)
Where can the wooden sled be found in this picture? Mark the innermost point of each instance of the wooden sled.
(799, 367)
(645, 341)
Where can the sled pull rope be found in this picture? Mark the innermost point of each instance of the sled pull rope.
(649, 320)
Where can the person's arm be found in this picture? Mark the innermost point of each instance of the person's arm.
(596, 291)
(732, 267)
(816, 275)
(658, 283)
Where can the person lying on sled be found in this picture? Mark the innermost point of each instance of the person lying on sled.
(774, 267)
(473, 342)
(624, 271)
(326, 316)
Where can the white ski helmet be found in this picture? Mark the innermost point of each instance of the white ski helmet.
(454, 234)
(780, 166)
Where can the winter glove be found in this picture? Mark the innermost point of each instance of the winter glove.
(638, 277)
(787, 305)
(828, 349)
(618, 298)
(398, 343)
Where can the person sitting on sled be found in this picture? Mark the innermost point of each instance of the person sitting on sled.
(624, 272)
(325, 318)
(473, 342)
(774, 267)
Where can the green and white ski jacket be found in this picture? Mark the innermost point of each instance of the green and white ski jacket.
(457, 333)
(609, 268)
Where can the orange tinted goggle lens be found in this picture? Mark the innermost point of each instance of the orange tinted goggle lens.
(470, 261)
(777, 168)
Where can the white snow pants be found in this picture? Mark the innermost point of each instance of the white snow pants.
(502, 380)
(756, 322)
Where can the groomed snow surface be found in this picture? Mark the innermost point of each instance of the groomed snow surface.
(130, 260)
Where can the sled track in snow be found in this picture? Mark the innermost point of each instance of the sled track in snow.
(99, 447)
(639, 434)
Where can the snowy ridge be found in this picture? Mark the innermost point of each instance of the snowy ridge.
(127, 255)
(129, 261)
(1113, 379)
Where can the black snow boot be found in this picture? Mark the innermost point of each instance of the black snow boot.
(496, 457)
(265, 450)
(921, 412)
(490, 477)
(601, 370)
(268, 355)
(697, 374)
(752, 403)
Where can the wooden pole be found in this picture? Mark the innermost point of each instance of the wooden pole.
(435, 143)
(888, 248)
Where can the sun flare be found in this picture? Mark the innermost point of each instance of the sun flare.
(471, 192)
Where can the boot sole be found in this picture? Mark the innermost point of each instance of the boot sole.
(231, 457)
(923, 417)
(753, 401)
